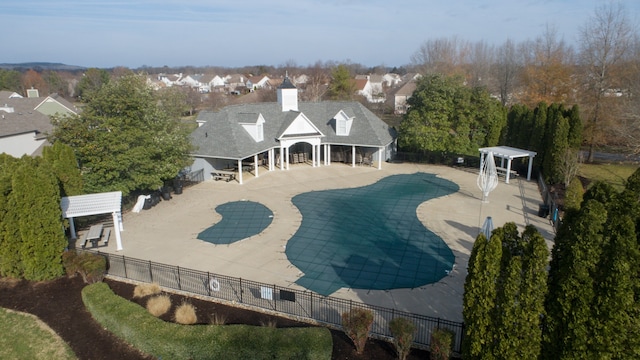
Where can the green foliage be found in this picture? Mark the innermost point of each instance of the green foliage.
(504, 295)
(574, 268)
(447, 116)
(441, 344)
(31, 234)
(557, 139)
(159, 339)
(91, 267)
(10, 240)
(11, 80)
(341, 87)
(65, 166)
(573, 195)
(356, 324)
(124, 139)
(480, 290)
(575, 127)
(403, 331)
(91, 82)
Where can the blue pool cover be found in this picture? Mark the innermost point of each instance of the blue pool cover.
(370, 237)
(240, 219)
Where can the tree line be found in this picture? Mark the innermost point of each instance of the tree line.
(581, 305)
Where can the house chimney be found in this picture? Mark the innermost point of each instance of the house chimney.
(288, 95)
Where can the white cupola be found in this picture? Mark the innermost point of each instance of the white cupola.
(288, 95)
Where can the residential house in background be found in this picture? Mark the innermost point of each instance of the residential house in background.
(268, 137)
(258, 82)
(370, 86)
(403, 93)
(25, 122)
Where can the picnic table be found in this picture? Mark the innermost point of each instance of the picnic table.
(93, 235)
(223, 175)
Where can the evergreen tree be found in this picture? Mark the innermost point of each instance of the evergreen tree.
(575, 127)
(65, 166)
(537, 134)
(572, 287)
(341, 87)
(533, 292)
(615, 319)
(573, 195)
(509, 330)
(10, 240)
(558, 147)
(36, 191)
(480, 298)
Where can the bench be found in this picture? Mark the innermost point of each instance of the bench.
(503, 172)
(105, 236)
(223, 175)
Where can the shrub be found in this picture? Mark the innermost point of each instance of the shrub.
(402, 330)
(159, 305)
(441, 344)
(573, 196)
(91, 267)
(272, 323)
(357, 324)
(218, 319)
(70, 263)
(186, 314)
(143, 290)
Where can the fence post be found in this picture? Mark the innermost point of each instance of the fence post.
(179, 285)
(311, 312)
(150, 271)
(274, 298)
(124, 264)
(241, 291)
(208, 286)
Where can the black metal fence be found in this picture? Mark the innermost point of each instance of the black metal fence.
(302, 305)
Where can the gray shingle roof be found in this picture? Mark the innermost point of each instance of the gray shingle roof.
(222, 135)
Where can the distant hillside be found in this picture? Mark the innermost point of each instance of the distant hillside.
(39, 66)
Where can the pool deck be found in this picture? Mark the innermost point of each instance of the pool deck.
(167, 232)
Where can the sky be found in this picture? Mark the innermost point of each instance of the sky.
(236, 33)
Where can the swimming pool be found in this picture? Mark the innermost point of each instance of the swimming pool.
(370, 237)
(240, 220)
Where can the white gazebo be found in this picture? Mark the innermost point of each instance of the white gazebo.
(507, 153)
(94, 204)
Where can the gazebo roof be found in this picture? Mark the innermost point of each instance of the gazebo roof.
(507, 152)
(91, 204)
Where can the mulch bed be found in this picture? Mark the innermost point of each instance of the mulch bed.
(59, 304)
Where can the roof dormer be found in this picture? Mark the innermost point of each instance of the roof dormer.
(343, 123)
(253, 124)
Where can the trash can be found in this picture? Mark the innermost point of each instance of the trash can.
(543, 210)
(177, 186)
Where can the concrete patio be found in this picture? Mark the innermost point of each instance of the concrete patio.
(167, 232)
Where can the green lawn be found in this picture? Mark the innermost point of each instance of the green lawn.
(614, 174)
(24, 336)
(135, 325)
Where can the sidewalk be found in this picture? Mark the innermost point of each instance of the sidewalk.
(167, 232)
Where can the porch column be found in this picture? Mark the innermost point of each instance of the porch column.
(270, 155)
(116, 228)
(380, 157)
(240, 171)
(327, 156)
(255, 164)
(529, 170)
(313, 156)
(281, 158)
(286, 160)
(353, 156)
(72, 228)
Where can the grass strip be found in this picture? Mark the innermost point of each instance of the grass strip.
(151, 335)
(24, 336)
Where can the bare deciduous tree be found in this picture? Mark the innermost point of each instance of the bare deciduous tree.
(506, 70)
(604, 42)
